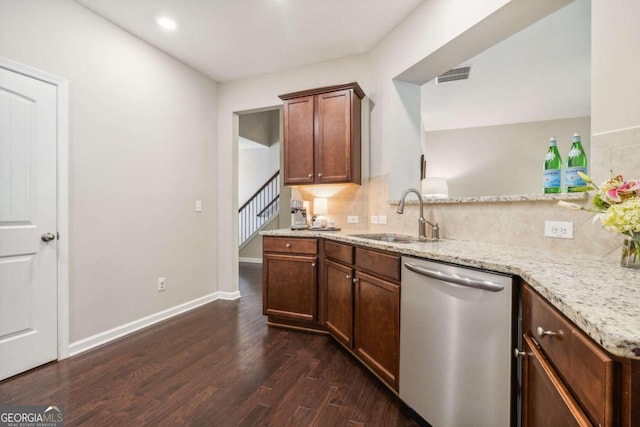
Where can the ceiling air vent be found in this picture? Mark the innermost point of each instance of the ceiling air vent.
(460, 73)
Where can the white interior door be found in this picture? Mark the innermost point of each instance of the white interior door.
(28, 264)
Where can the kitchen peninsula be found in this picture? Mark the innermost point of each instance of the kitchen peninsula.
(598, 296)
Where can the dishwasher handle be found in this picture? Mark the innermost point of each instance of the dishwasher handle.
(455, 278)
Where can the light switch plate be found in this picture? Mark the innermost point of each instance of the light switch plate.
(374, 219)
(382, 219)
(353, 219)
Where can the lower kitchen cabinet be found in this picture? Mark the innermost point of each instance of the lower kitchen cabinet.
(567, 378)
(290, 281)
(363, 305)
(290, 286)
(377, 326)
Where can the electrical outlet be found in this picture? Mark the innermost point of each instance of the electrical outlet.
(198, 205)
(162, 284)
(353, 219)
(374, 219)
(558, 229)
(382, 219)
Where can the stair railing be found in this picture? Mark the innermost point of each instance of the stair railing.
(259, 209)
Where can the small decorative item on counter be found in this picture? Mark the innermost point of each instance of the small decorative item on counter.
(618, 203)
(630, 253)
(576, 166)
(552, 169)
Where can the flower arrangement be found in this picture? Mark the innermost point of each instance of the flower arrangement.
(618, 203)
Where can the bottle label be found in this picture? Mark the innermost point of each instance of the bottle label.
(574, 152)
(550, 156)
(551, 178)
(572, 177)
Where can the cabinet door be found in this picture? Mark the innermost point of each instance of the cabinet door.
(377, 326)
(289, 287)
(333, 144)
(546, 401)
(340, 302)
(586, 369)
(298, 141)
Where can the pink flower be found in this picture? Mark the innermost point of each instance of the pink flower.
(628, 189)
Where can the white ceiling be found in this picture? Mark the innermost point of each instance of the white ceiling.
(232, 39)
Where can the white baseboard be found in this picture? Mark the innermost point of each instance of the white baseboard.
(85, 344)
(251, 260)
(228, 295)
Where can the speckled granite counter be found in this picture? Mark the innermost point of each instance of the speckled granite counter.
(599, 296)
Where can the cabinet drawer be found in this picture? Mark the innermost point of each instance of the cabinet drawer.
(546, 400)
(586, 368)
(290, 245)
(338, 252)
(380, 263)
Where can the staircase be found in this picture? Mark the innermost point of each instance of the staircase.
(259, 209)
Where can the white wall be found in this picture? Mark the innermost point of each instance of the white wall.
(616, 65)
(262, 127)
(142, 150)
(255, 166)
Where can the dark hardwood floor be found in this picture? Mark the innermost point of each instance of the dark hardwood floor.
(218, 365)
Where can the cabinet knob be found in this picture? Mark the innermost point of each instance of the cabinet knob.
(541, 332)
(288, 245)
(310, 175)
(518, 353)
(313, 264)
(355, 280)
(348, 276)
(319, 175)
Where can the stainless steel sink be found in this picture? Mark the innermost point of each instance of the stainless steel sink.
(387, 237)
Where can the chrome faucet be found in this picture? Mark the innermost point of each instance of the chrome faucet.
(422, 223)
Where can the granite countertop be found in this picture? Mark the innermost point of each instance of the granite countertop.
(599, 296)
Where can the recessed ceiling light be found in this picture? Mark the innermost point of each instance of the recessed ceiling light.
(167, 23)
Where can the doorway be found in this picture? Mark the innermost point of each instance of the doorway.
(259, 160)
(33, 218)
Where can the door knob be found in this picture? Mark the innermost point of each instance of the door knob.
(47, 237)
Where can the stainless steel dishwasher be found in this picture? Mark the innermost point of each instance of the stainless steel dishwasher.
(456, 343)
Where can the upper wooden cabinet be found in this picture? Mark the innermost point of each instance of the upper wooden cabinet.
(322, 135)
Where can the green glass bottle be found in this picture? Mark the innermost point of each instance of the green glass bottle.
(552, 170)
(576, 162)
